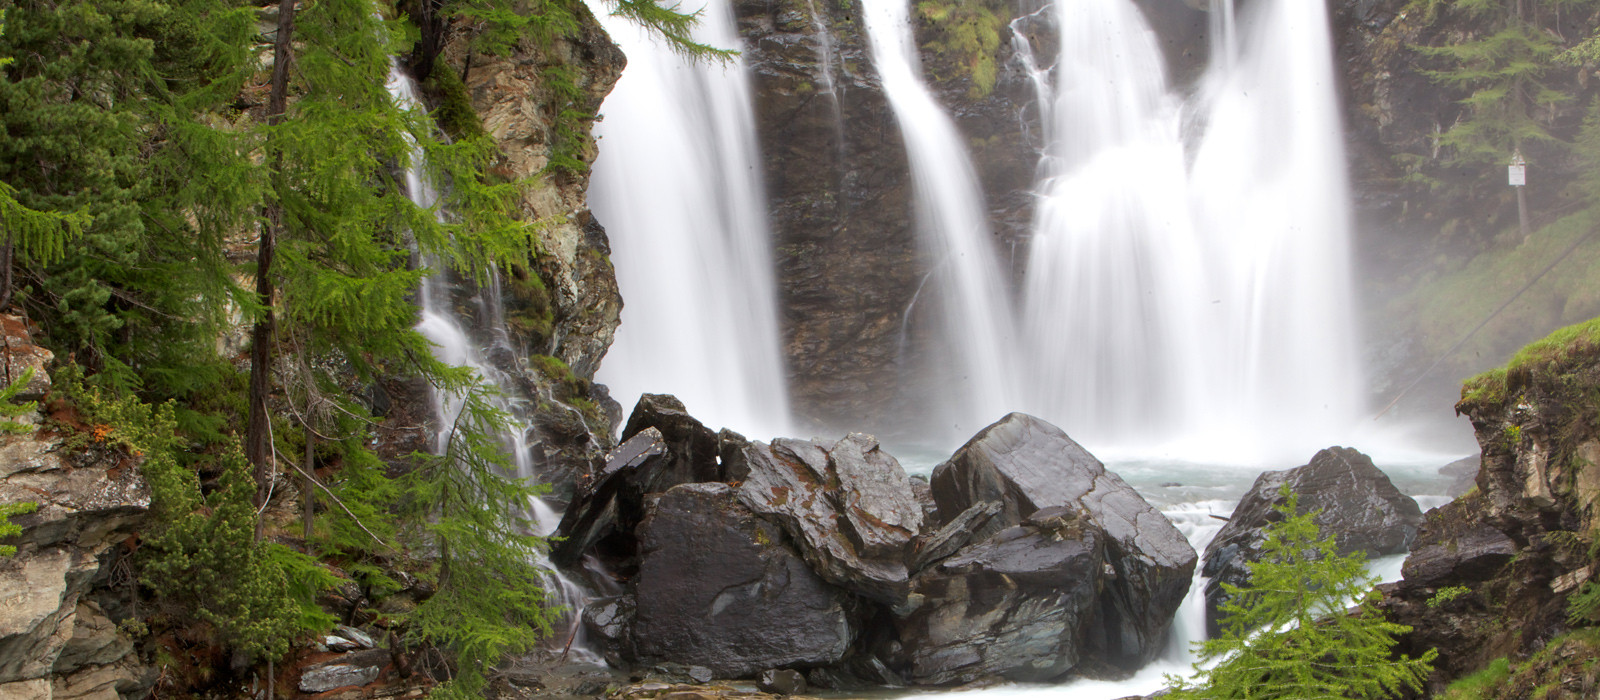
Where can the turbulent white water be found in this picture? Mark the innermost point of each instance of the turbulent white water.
(452, 345)
(952, 225)
(678, 187)
(1189, 290)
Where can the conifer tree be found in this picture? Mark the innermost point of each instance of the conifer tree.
(1504, 72)
(1290, 633)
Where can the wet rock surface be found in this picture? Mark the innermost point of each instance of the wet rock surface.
(1027, 464)
(823, 559)
(791, 482)
(1354, 500)
(1016, 605)
(715, 589)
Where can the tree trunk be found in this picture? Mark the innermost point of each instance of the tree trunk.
(258, 438)
(5, 275)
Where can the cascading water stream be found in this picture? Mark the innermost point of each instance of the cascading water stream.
(952, 226)
(1112, 294)
(678, 187)
(1270, 195)
(453, 346)
(1190, 291)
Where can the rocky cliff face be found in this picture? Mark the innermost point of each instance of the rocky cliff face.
(1493, 573)
(840, 195)
(56, 640)
(562, 309)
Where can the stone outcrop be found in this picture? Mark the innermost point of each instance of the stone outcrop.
(562, 306)
(1354, 500)
(1492, 573)
(55, 642)
(821, 555)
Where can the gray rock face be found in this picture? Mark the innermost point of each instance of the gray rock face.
(84, 509)
(716, 589)
(1357, 503)
(1027, 464)
(789, 484)
(1016, 605)
(356, 669)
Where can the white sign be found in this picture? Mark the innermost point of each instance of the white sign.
(1517, 174)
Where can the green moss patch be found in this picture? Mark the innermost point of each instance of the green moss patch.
(1555, 354)
(965, 35)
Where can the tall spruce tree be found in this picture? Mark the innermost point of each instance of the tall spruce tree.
(1290, 634)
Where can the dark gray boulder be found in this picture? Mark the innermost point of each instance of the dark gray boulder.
(692, 448)
(613, 503)
(716, 588)
(1016, 605)
(856, 539)
(1354, 500)
(1027, 464)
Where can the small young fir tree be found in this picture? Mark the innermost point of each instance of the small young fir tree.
(1290, 634)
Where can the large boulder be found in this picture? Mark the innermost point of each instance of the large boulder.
(717, 588)
(1027, 465)
(847, 505)
(1017, 605)
(1354, 501)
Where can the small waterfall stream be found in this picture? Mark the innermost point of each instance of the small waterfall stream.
(952, 226)
(452, 345)
(678, 187)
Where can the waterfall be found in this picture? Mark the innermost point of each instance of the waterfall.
(1189, 288)
(453, 346)
(952, 227)
(678, 187)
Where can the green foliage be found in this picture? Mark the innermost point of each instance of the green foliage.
(9, 409)
(1288, 635)
(572, 125)
(1503, 75)
(672, 25)
(1481, 685)
(454, 114)
(967, 36)
(106, 111)
(201, 554)
(1444, 595)
(7, 528)
(490, 600)
(1583, 608)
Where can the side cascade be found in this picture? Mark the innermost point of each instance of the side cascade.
(965, 281)
(1188, 281)
(678, 187)
(452, 345)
